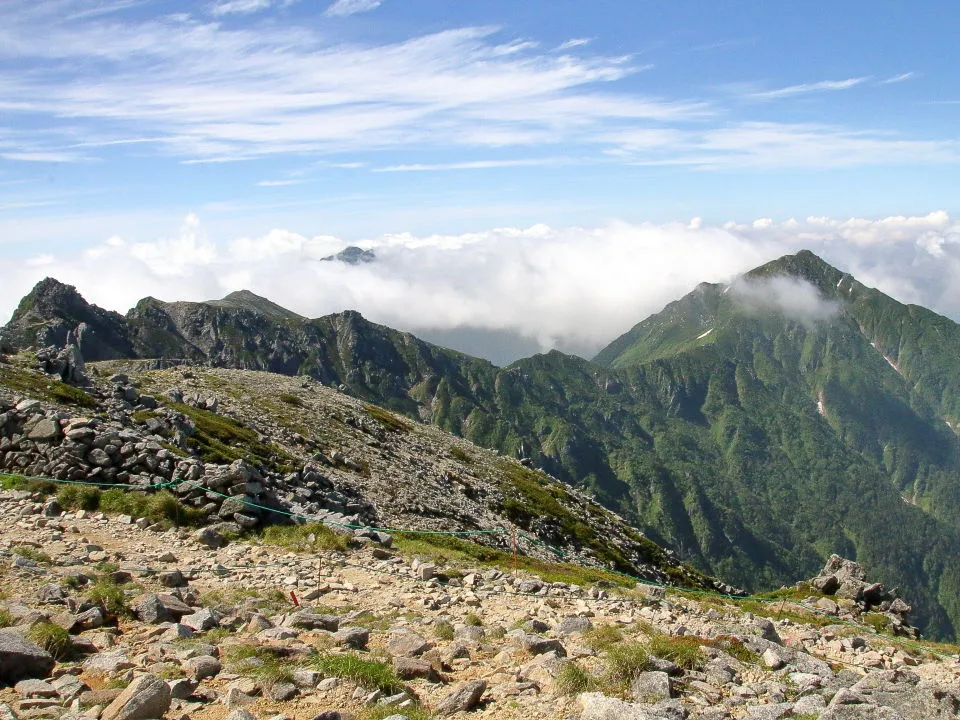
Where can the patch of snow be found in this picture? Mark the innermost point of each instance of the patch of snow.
(727, 289)
(820, 408)
(703, 335)
(890, 362)
(840, 282)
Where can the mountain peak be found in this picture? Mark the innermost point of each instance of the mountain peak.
(247, 300)
(804, 265)
(50, 297)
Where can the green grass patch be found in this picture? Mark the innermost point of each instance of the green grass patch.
(379, 713)
(391, 422)
(31, 553)
(52, 638)
(269, 663)
(6, 619)
(161, 506)
(290, 399)
(449, 549)
(735, 648)
(20, 482)
(572, 679)
(110, 596)
(20, 378)
(461, 455)
(534, 497)
(366, 672)
(220, 439)
(879, 622)
(79, 497)
(308, 538)
(141, 416)
(602, 637)
(682, 650)
(473, 620)
(623, 662)
(443, 630)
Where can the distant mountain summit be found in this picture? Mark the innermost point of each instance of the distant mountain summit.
(755, 427)
(352, 255)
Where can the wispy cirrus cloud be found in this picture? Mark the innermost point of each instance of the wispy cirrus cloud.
(476, 165)
(902, 77)
(808, 88)
(213, 92)
(243, 7)
(772, 145)
(342, 8)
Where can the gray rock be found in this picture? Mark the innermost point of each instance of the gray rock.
(107, 663)
(35, 689)
(283, 691)
(202, 667)
(772, 659)
(597, 706)
(21, 660)
(201, 621)
(651, 687)
(182, 688)
(46, 430)
(241, 714)
(773, 711)
(574, 626)
(172, 579)
(463, 697)
(306, 620)
(210, 537)
(407, 644)
(353, 637)
(413, 668)
(537, 645)
(159, 608)
(146, 697)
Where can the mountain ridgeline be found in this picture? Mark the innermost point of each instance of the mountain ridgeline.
(756, 428)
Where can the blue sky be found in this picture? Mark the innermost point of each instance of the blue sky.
(358, 120)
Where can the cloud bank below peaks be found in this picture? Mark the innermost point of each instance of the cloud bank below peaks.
(571, 288)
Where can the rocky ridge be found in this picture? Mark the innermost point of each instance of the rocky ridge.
(160, 625)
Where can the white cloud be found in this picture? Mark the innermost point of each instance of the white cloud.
(474, 165)
(576, 288)
(793, 298)
(341, 8)
(240, 7)
(807, 88)
(574, 43)
(898, 78)
(772, 145)
(211, 91)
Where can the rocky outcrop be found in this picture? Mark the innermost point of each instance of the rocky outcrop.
(853, 596)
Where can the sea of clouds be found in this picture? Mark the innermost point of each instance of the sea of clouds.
(512, 290)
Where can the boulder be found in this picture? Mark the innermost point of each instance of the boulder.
(146, 697)
(463, 697)
(22, 660)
